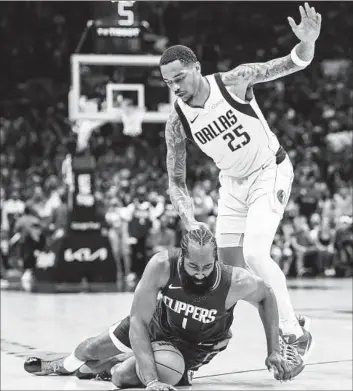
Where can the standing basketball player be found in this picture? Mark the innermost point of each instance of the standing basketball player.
(195, 314)
(220, 115)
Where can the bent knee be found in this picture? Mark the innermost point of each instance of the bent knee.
(124, 374)
(255, 255)
(95, 348)
(120, 379)
(91, 349)
(257, 246)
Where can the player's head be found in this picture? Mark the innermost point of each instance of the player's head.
(181, 71)
(198, 261)
(15, 194)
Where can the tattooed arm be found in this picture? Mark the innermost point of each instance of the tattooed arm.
(307, 31)
(176, 166)
(250, 74)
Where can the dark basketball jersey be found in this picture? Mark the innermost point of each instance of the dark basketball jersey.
(192, 317)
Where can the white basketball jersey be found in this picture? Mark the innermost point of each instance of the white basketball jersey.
(232, 132)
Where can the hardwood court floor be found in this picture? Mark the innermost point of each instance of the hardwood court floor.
(55, 323)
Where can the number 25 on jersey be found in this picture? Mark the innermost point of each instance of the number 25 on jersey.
(234, 136)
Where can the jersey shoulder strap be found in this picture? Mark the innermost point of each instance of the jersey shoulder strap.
(227, 274)
(174, 254)
(184, 121)
(244, 108)
(173, 258)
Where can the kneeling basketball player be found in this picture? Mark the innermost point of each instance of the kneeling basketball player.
(195, 314)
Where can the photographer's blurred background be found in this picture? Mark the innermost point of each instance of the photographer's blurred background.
(311, 112)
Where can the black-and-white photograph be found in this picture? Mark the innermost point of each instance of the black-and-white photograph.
(176, 195)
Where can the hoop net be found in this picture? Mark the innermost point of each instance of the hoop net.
(132, 117)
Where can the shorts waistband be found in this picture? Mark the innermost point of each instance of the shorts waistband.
(280, 155)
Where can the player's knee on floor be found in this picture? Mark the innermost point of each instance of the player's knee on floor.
(124, 374)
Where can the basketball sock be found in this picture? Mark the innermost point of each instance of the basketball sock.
(273, 276)
(85, 369)
(267, 269)
(258, 239)
(71, 363)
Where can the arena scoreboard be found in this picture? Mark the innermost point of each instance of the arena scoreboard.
(122, 32)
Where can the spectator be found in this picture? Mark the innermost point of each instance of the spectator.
(52, 188)
(12, 208)
(4, 235)
(60, 216)
(203, 203)
(211, 222)
(32, 244)
(304, 247)
(282, 247)
(343, 262)
(323, 236)
(309, 198)
(139, 228)
(39, 203)
(162, 237)
(157, 205)
(118, 236)
(343, 201)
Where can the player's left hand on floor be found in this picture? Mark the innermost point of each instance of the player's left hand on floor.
(159, 386)
(281, 367)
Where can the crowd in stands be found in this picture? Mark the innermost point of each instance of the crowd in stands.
(310, 112)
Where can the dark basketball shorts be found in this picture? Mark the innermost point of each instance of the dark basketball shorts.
(195, 354)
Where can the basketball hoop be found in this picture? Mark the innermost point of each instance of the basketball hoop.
(132, 117)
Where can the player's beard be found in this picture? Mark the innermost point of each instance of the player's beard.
(188, 282)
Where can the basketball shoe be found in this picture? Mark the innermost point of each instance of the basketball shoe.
(290, 353)
(297, 350)
(304, 344)
(39, 367)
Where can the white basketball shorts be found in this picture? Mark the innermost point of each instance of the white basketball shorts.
(237, 195)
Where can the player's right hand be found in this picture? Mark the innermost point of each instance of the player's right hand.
(281, 367)
(159, 386)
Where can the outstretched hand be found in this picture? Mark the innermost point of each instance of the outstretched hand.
(308, 30)
(281, 368)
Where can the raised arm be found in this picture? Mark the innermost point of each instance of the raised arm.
(248, 287)
(144, 304)
(176, 167)
(302, 54)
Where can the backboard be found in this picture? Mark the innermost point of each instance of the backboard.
(100, 83)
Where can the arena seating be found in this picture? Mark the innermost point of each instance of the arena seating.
(309, 111)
